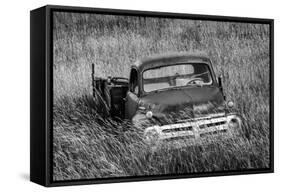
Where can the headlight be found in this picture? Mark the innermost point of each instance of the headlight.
(230, 104)
(151, 136)
(149, 114)
(234, 123)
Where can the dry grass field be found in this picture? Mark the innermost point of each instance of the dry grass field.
(87, 146)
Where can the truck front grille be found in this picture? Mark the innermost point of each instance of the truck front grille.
(213, 133)
(188, 128)
(180, 138)
(203, 126)
(196, 129)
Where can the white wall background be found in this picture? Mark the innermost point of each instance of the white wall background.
(14, 94)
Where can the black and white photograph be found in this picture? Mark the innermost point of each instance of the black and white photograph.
(139, 96)
(143, 95)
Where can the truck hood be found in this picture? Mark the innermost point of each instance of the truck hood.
(194, 101)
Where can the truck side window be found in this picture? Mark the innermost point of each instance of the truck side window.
(134, 88)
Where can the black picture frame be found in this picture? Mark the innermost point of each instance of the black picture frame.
(41, 83)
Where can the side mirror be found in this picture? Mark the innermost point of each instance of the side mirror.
(221, 85)
(220, 81)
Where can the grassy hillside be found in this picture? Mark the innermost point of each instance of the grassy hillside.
(88, 146)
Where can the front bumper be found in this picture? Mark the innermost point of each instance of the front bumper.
(195, 131)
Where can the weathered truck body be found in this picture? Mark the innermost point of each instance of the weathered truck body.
(171, 97)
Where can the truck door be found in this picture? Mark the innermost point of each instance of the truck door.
(131, 103)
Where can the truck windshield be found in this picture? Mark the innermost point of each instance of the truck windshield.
(173, 76)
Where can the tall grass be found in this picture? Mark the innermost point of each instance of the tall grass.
(88, 146)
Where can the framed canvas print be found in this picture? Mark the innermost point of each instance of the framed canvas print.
(121, 95)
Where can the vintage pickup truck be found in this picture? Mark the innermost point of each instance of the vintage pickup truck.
(171, 97)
